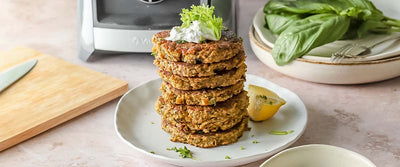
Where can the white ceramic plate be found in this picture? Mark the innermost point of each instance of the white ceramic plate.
(135, 112)
(325, 72)
(323, 53)
(317, 155)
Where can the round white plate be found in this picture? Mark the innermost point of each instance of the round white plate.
(317, 155)
(135, 113)
(323, 53)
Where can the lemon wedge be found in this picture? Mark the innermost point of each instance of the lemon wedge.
(263, 103)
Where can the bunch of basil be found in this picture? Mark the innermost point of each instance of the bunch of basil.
(306, 24)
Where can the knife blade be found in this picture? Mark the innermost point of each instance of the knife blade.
(14, 73)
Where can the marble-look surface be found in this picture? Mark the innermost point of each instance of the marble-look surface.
(363, 118)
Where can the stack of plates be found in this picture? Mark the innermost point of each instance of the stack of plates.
(383, 62)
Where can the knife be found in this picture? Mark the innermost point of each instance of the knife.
(12, 75)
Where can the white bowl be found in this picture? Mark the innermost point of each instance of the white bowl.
(326, 72)
(317, 155)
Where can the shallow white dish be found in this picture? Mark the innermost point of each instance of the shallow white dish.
(317, 155)
(135, 112)
(326, 72)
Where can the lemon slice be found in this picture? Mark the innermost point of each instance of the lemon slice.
(263, 103)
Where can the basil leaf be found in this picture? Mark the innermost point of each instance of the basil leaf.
(306, 34)
(361, 9)
(357, 9)
(371, 26)
(301, 6)
(278, 23)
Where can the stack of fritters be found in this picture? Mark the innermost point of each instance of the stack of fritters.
(203, 102)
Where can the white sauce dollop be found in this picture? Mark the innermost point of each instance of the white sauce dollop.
(196, 32)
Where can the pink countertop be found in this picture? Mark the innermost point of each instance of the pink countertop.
(363, 118)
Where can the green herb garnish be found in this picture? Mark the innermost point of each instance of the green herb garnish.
(183, 152)
(262, 96)
(181, 41)
(152, 122)
(280, 132)
(154, 53)
(227, 157)
(205, 15)
(255, 142)
(252, 135)
(242, 148)
(152, 152)
(213, 102)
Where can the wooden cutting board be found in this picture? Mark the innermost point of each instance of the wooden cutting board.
(53, 92)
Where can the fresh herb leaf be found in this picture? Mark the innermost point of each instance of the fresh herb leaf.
(277, 23)
(183, 152)
(213, 102)
(152, 122)
(242, 148)
(300, 6)
(154, 53)
(227, 157)
(181, 41)
(263, 97)
(152, 152)
(255, 142)
(307, 34)
(280, 132)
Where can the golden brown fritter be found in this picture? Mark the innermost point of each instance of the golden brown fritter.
(207, 140)
(227, 78)
(199, 70)
(201, 97)
(196, 53)
(191, 119)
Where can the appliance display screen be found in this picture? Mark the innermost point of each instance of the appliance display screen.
(136, 14)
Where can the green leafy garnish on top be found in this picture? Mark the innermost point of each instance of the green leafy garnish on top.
(303, 25)
(198, 24)
(207, 19)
